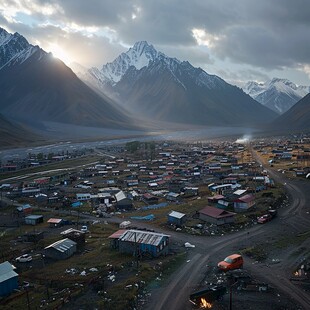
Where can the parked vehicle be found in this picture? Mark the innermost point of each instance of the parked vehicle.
(84, 228)
(264, 218)
(234, 261)
(272, 212)
(24, 258)
(267, 217)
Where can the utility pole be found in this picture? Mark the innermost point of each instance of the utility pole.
(28, 301)
(136, 250)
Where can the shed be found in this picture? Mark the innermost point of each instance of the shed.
(8, 279)
(33, 219)
(142, 243)
(61, 249)
(216, 216)
(122, 201)
(34, 236)
(172, 196)
(149, 198)
(244, 203)
(176, 218)
(83, 196)
(55, 222)
(76, 236)
(24, 209)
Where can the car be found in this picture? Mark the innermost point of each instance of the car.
(264, 218)
(231, 262)
(84, 229)
(24, 258)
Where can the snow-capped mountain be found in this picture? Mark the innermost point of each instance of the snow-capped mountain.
(153, 85)
(278, 94)
(35, 87)
(138, 56)
(15, 49)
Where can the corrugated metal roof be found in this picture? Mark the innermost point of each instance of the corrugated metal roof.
(145, 237)
(215, 212)
(33, 217)
(54, 221)
(239, 192)
(6, 271)
(176, 214)
(120, 196)
(62, 245)
(118, 234)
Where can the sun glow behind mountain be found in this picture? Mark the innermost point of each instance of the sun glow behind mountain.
(59, 52)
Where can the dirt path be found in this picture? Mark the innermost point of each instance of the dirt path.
(292, 220)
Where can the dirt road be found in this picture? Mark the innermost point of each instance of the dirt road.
(293, 219)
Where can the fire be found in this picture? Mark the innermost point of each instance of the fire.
(296, 273)
(205, 304)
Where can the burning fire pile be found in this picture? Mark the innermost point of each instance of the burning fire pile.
(204, 304)
(302, 271)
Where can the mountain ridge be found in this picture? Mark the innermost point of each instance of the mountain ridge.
(187, 93)
(277, 94)
(36, 86)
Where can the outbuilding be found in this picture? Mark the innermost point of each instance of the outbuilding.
(55, 222)
(61, 249)
(8, 279)
(172, 196)
(176, 218)
(244, 203)
(33, 219)
(122, 201)
(216, 216)
(141, 243)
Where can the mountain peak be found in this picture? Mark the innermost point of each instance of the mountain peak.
(278, 94)
(142, 45)
(138, 56)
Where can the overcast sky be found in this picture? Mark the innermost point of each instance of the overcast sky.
(239, 40)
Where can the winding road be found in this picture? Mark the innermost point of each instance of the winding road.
(292, 220)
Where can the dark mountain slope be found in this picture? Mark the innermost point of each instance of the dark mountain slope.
(296, 118)
(185, 94)
(44, 88)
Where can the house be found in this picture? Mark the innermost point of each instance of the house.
(172, 196)
(8, 279)
(33, 236)
(216, 216)
(33, 219)
(176, 218)
(244, 203)
(141, 243)
(122, 201)
(190, 191)
(214, 199)
(149, 198)
(55, 222)
(75, 235)
(24, 209)
(61, 249)
(83, 197)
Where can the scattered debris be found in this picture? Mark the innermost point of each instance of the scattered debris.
(189, 245)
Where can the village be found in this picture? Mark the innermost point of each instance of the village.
(104, 227)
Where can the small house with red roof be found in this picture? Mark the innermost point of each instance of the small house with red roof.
(244, 203)
(216, 216)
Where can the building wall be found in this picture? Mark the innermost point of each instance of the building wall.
(243, 206)
(155, 251)
(124, 204)
(55, 254)
(209, 219)
(8, 286)
(176, 221)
